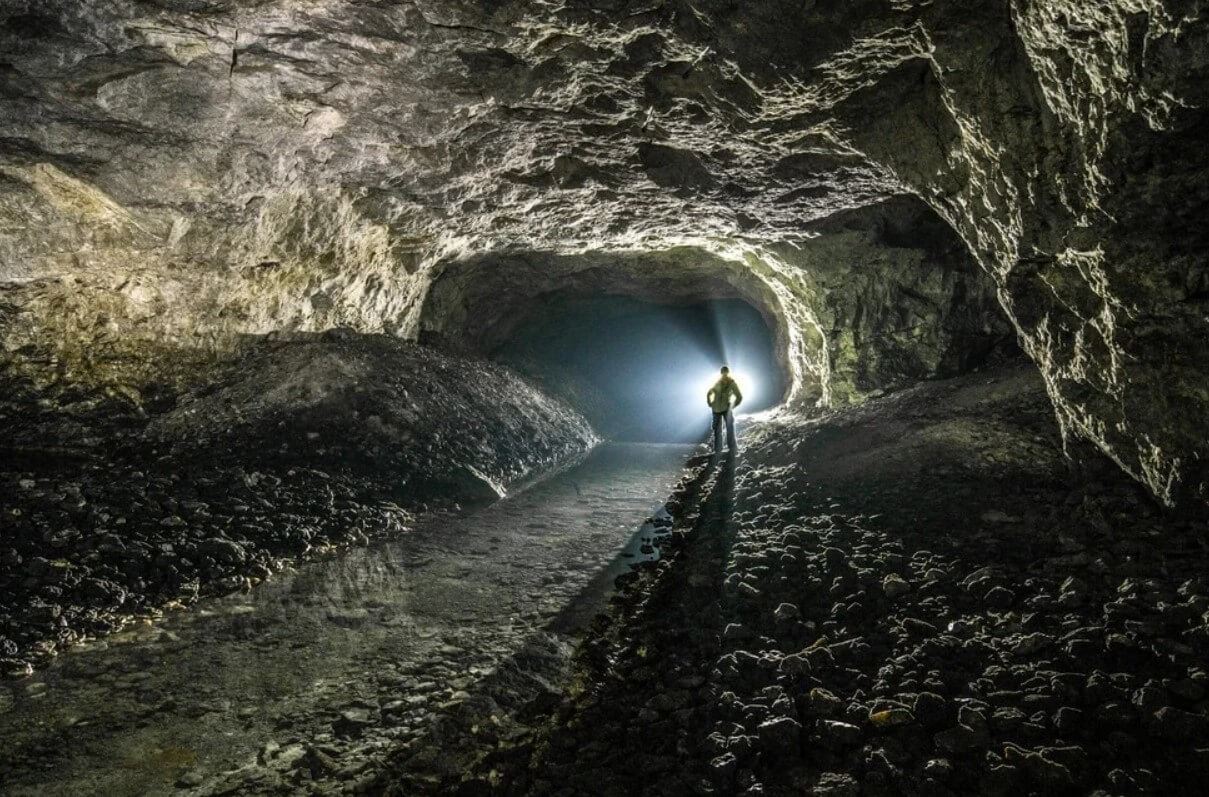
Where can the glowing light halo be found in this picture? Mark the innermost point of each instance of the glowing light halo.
(750, 387)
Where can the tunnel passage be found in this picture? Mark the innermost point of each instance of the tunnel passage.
(640, 371)
(175, 177)
(632, 340)
(870, 300)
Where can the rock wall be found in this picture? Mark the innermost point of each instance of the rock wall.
(1046, 133)
(173, 176)
(898, 299)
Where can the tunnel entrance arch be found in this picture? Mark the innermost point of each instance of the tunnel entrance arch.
(868, 300)
(630, 338)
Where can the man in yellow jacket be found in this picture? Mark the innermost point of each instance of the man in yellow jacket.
(720, 403)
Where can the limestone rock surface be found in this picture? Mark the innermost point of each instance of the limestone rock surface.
(175, 175)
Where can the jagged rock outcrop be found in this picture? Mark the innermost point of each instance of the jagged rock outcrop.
(897, 297)
(173, 176)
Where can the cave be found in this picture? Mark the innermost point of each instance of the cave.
(360, 366)
(632, 341)
(638, 371)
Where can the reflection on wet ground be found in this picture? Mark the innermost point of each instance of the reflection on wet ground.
(315, 675)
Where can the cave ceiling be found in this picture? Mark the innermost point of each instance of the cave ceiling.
(177, 174)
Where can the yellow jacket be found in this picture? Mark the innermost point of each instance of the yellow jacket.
(720, 394)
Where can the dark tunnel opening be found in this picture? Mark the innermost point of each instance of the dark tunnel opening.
(640, 370)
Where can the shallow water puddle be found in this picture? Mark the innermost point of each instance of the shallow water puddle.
(315, 675)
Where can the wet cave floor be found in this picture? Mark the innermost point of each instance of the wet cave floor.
(913, 596)
(909, 597)
(306, 681)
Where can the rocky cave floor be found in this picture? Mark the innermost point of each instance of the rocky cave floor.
(914, 596)
(306, 683)
(116, 505)
(903, 598)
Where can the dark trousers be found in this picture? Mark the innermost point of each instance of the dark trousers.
(730, 431)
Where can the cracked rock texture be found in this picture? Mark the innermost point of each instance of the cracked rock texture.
(175, 175)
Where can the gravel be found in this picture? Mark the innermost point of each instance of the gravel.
(301, 446)
(970, 618)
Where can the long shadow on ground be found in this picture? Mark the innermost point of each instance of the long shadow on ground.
(911, 597)
(485, 743)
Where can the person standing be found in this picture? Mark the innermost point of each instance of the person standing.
(723, 398)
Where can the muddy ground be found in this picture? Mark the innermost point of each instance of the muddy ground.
(916, 596)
